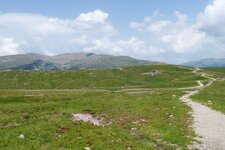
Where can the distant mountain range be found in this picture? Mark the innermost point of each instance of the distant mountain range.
(32, 61)
(209, 62)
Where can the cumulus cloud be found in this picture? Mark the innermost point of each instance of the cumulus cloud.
(95, 16)
(181, 37)
(89, 32)
(177, 36)
(185, 38)
(211, 20)
(137, 25)
(133, 47)
(8, 46)
(53, 35)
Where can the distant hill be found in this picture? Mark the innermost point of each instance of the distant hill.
(37, 65)
(209, 62)
(32, 61)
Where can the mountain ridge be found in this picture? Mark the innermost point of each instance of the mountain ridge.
(207, 62)
(34, 61)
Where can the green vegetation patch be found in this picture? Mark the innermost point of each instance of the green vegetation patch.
(130, 77)
(214, 95)
(152, 120)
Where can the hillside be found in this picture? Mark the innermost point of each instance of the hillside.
(209, 62)
(214, 95)
(76, 61)
(138, 107)
(168, 76)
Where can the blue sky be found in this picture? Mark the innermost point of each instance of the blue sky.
(121, 12)
(132, 9)
(173, 31)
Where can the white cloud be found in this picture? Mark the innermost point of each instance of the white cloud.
(53, 35)
(182, 38)
(211, 20)
(177, 36)
(137, 25)
(95, 16)
(182, 18)
(89, 32)
(133, 47)
(8, 46)
(138, 48)
(158, 26)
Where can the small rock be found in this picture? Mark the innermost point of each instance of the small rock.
(134, 129)
(142, 120)
(210, 102)
(87, 148)
(21, 136)
(171, 116)
(152, 73)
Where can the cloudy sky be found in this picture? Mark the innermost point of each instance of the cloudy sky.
(172, 31)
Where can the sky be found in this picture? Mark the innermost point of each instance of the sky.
(172, 31)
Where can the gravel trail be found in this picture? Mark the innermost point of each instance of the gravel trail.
(208, 124)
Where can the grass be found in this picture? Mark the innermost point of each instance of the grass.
(46, 121)
(130, 77)
(215, 93)
(161, 120)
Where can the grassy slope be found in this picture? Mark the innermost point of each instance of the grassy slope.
(106, 79)
(46, 120)
(215, 93)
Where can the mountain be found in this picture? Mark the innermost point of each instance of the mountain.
(32, 61)
(209, 62)
(37, 65)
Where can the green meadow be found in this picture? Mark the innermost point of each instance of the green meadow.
(131, 77)
(214, 96)
(144, 111)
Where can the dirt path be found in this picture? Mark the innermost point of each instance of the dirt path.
(208, 124)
